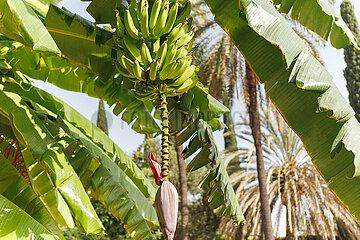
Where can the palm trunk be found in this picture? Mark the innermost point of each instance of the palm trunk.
(255, 130)
(183, 193)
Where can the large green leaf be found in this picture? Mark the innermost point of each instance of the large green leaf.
(17, 224)
(301, 89)
(20, 195)
(103, 11)
(81, 41)
(196, 115)
(42, 6)
(321, 17)
(20, 22)
(50, 171)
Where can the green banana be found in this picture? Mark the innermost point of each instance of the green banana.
(154, 66)
(144, 18)
(156, 47)
(168, 70)
(155, 10)
(185, 39)
(184, 63)
(138, 72)
(162, 53)
(180, 53)
(189, 83)
(145, 55)
(126, 64)
(184, 13)
(120, 27)
(190, 45)
(144, 96)
(177, 32)
(123, 71)
(132, 48)
(171, 18)
(161, 21)
(133, 12)
(130, 27)
(170, 55)
(186, 75)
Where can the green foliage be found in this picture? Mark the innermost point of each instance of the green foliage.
(352, 58)
(114, 229)
(20, 22)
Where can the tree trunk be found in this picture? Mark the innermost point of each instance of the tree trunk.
(255, 130)
(183, 195)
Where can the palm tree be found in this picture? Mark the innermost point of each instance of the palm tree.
(299, 197)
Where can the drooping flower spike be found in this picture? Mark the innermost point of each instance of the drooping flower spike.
(156, 169)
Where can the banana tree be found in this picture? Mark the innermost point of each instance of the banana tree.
(50, 136)
(61, 150)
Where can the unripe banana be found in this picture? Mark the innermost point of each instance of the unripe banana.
(133, 12)
(184, 63)
(190, 45)
(144, 96)
(155, 10)
(189, 83)
(145, 55)
(130, 27)
(132, 48)
(171, 19)
(162, 53)
(144, 18)
(170, 55)
(185, 39)
(184, 13)
(167, 70)
(181, 52)
(156, 47)
(138, 72)
(123, 71)
(126, 64)
(177, 32)
(120, 27)
(185, 76)
(154, 69)
(161, 21)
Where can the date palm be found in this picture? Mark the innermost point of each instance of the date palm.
(299, 197)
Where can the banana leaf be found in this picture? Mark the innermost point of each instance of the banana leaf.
(19, 22)
(196, 117)
(50, 171)
(301, 89)
(81, 41)
(321, 17)
(32, 218)
(41, 6)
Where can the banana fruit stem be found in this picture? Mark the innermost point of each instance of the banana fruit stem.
(164, 138)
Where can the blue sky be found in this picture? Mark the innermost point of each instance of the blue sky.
(128, 139)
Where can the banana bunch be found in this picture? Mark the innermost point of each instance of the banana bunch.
(155, 47)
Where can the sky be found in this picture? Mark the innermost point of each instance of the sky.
(121, 133)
